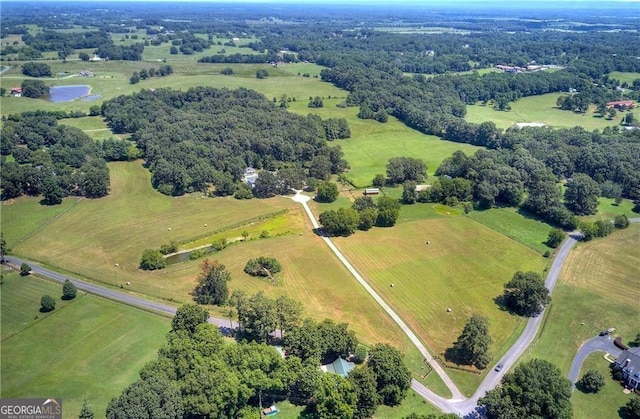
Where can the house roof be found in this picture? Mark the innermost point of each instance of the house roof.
(620, 103)
(339, 366)
(629, 360)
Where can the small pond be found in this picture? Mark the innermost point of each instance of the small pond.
(68, 93)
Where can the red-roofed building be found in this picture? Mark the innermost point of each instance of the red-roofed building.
(16, 90)
(621, 104)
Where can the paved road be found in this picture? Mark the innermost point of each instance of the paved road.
(457, 395)
(458, 404)
(109, 293)
(597, 344)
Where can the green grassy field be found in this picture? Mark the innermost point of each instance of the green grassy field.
(606, 402)
(599, 287)
(525, 230)
(112, 79)
(464, 268)
(89, 240)
(607, 209)
(622, 77)
(541, 109)
(372, 143)
(88, 348)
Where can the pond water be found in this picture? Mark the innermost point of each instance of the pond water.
(68, 93)
(187, 254)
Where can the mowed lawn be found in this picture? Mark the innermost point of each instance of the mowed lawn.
(606, 402)
(94, 235)
(599, 288)
(372, 143)
(91, 237)
(112, 79)
(88, 348)
(524, 229)
(541, 108)
(463, 268)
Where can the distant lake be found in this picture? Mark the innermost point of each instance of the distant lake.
(68, 93)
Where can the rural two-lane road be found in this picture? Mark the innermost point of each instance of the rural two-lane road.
(111, 294)
(458, 404)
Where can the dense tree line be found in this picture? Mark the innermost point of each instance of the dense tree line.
(197, 374)
(206, 137)
(121, 52)
(56, 41)
(50, 159)
(144, 74)
(363, 214)
(531, 161)
(36, 69)
(534, 389)
(238, 59)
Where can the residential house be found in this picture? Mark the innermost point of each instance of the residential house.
(621, 104)
(339, 366)
(629, 364)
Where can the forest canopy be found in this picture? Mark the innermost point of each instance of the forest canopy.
(207, 137)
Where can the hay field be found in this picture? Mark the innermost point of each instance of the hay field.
(599, 288)
(89, 348)
(542, 109)
(464, 268)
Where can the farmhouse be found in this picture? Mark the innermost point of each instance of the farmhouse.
(621, 104)
(529, 124)
(339, 366)
(629, 364)
(250, 176)
(16, 91)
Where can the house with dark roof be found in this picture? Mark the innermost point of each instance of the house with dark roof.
(339, 366)
(629, 364)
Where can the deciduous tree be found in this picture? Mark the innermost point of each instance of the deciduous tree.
(69, 290)
(591, 382)
(25, 269)
(526, 294)
(212, 284)
(47, 303)
(556, 236)
(535, 389)
(188, 317)
(473, 344)
(364, 384)
(152, 259)
(327, 191)
(393, 378)
(154, 397)
(581, 195)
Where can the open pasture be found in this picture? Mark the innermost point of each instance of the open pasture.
(463, 268)
(372, 143)
(541, 109)
(94, 235)
(624, 77)
(523, 229)
(112, 79)
(88, 348)
(599, 288)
